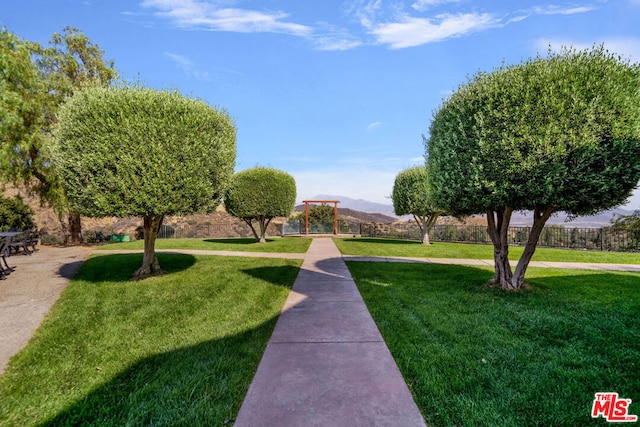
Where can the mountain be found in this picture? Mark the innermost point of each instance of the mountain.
(603, 219)
(352, 216)
(359, 205)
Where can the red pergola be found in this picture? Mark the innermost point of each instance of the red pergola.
(335, 213)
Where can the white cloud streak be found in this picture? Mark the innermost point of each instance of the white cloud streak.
(373, 125)
(187, 66)
(410, 31)
(422, 5)
(199, 14)
(557, 10)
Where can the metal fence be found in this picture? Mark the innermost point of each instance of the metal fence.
(553, 236)
(297, 227)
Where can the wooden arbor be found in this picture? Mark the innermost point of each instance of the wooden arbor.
(335, 213)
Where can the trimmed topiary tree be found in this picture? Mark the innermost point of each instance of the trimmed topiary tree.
(258, 195)
(411, 197)
(131, 151)
(552, 134)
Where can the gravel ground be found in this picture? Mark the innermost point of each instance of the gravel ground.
(29, 292)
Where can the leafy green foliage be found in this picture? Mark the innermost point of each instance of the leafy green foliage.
(560, 133)
(34, 82)
(411, 193)
(411, 197)
(15, 213)
(139, 152)
(260, 194)
(22, 97)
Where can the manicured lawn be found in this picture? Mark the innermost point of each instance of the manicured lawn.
(274, 245)
(473, 355)
(410, 248)
(180, 349)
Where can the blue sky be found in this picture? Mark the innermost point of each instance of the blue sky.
(336, 92)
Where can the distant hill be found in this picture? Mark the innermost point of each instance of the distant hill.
(603, 219)
(360, 205)
(353, 216)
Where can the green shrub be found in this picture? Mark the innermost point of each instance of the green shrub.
(15, 213)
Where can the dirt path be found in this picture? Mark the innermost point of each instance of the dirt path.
(30, 291)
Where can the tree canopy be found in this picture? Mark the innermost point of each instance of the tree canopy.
(411, 197)
(260, 194)
(560, 133)
(130, 151)
(35, 81)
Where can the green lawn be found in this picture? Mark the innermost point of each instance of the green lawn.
(474, 355)
(410, 248)
(273, 245)
(180, 349)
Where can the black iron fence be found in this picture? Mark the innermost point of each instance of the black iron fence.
(553, 236)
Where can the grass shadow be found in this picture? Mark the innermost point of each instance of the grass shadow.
(202, 384)
(238, 241)
(280, 276)
(381, 241)
(120, 267)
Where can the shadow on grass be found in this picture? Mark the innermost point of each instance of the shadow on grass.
(382, 241)
(202, 384)
(120, 267)
(241, 241)
(280, 275)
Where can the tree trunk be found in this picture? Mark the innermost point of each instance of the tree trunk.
(264, 223)
(150, 265)
(539, 220)
(75, 228)
(498, 227)
(249, 222)
(426, 223)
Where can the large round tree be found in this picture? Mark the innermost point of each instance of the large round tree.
(560, 133)
(259, 195)
(132, 151)
(411, 197)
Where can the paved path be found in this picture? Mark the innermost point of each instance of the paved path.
(326, 363)
(30, 291)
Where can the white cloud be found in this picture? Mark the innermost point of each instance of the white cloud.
(199, 14)
(558, 10)
(409, 31)
(186, 65)
(422, 5)
(373, 125)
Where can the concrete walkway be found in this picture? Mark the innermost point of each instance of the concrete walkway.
(326, 363)
(29, 292)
